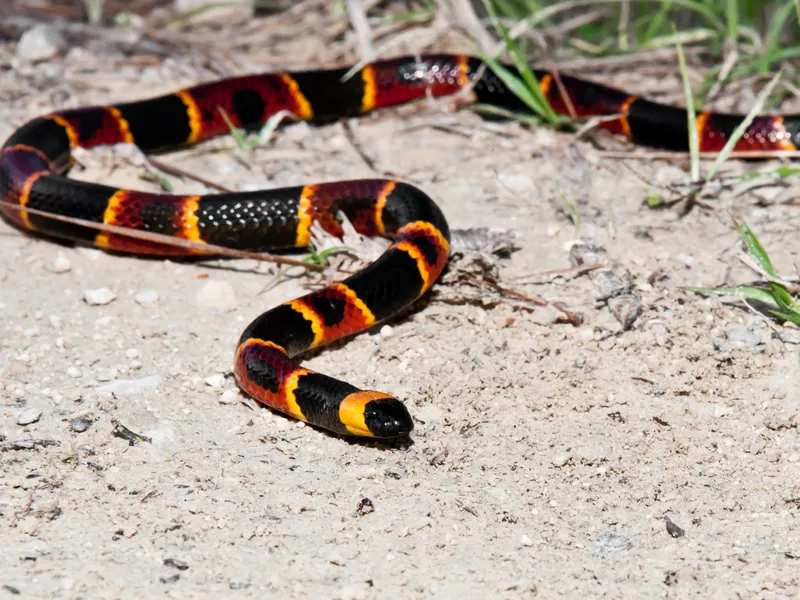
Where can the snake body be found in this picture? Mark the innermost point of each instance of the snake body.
(36, 157)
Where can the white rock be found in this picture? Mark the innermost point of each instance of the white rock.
(229, 397)
(98, 297)
(216, 294)
(526, 541)
(40, 42)
(73, 372)
(215, 381)
(61, 263)
(132, 353)
(28, 416)
(146, 297)
(561, 459)
(386, 331)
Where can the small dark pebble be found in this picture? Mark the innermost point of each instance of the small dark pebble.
(11, 589)
(80, 425)
(94, 466)
(238, 585)
(365, 506)
(671, 578)
(170, 579)
(174, 562)
(673, 529)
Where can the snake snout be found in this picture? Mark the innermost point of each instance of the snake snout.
(388, 418)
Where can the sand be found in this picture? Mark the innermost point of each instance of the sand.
(550, 458)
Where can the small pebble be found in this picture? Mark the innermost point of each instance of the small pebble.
(387, 331)
(80, 425)
(218, 295)
(177, 564)
(215, 381)
(132, 353)
(687, 260)
(237, 584)
(611, 542)
(40, 42)
(73, 372)
(28, 416)
(146, 297)
(98, 297)
(526, 541)
(61, 264)
(741, 335)
(229, 397)
(559, 460)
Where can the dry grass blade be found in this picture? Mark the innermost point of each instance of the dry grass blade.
(463, 13)
(358, 19)
(750, 262)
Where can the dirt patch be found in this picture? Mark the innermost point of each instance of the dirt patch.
(547, 456)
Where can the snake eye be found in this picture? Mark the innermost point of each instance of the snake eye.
(388, 418)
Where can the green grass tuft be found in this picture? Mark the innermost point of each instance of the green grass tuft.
(775, 293)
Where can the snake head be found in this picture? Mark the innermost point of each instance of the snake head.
(375, 414)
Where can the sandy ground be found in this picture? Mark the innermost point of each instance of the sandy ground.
(548, 458)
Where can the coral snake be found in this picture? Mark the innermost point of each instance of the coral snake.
(38, 154)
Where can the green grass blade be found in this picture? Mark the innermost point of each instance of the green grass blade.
(793, 317)
(533, 95)
(755, 248)
(517, 87)
(742, 127)
(691, 117)
(732, 20)
(781, 295)
(747, 292)
(497, 111)
(772, 41)
(780, 172)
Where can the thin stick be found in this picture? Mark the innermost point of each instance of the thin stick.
(159, 238)
(178, 172)
(563, 91)
(579, 270)
(742, 154)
